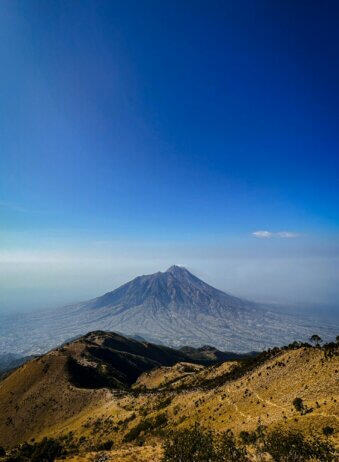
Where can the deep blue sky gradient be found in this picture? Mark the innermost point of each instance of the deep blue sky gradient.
(168, 119)
(219, 114)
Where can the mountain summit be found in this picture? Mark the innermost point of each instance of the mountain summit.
(173, 307)
(171, 292)
(177, 268)
(178, 271)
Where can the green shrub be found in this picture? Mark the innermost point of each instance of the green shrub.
(143, 426)
(46, 450)
(328, 431)
(192, 445)
(106, 446)
(198, 445)
(294, 447)
(298, 404)
(248, 437)
(164, 403)
(160, 420)
(228, 451)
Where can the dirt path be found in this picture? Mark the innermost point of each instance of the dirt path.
(266, 400)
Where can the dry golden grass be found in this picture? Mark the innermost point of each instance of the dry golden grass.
(182, 374)
(266, 396)
(167, 376)
(42, 402)
(131, 454)
(38, 397)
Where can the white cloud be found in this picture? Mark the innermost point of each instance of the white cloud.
(263, 234)
(268, 234)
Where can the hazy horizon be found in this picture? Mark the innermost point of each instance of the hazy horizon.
(281, 271)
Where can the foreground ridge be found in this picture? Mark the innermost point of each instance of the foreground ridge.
(114, 392)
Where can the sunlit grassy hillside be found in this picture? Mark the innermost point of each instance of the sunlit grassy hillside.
(126, 423)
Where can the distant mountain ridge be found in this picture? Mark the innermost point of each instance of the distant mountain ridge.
(174, 308)
(11, 360)
(175, 289)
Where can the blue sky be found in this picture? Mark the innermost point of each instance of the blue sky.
(167, 126)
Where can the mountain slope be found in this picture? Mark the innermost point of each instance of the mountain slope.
(40, 398)
(172, 307)
(83, 370)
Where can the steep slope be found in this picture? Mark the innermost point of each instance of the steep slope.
(236, 395)
(69, 380)
(174, 308)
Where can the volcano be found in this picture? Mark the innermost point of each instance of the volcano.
(173, 308)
